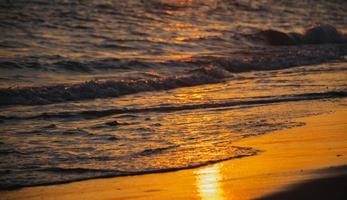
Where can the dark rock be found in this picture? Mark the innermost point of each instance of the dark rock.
(278, 38)
(323, 34)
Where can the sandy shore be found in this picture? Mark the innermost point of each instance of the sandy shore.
(286, 157)
(331, 188)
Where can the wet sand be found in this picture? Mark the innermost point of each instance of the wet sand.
(288, 160)
(324, 188)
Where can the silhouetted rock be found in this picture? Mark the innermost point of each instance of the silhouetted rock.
(322, 34)
(278, 38)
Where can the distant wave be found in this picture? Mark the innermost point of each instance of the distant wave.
(322, 34)
(250, 101)
(218, 69)
(74, 66)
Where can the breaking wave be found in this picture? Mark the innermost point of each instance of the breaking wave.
(211, 70)
(79, 174)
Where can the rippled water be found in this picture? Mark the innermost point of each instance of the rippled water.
(106, 88)
(50, 42)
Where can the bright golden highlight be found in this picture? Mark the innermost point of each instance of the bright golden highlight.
(208, 183)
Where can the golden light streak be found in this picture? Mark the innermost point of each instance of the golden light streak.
(208, 183)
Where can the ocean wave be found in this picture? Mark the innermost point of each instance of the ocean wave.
(218, 69)
(72, 65)
(273, 58)
(95, 89)
(260, 100)
(148, 152)
(79, 174)
(73, 170)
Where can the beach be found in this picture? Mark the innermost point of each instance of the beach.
(285, 157)
(173, 99)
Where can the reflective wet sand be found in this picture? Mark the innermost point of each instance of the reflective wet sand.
(286, 157)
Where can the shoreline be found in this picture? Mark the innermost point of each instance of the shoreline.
(287, 157)
(129, 174)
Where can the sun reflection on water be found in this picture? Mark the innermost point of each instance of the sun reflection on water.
(208, 183)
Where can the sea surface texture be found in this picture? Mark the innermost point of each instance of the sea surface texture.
(112, 87)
